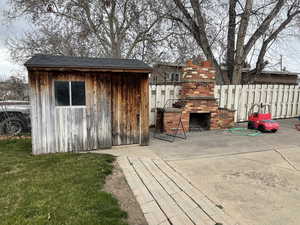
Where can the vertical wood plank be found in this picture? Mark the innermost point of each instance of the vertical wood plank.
(223, 97)
(284, 101)
(137, 100)
(276, 93)
(33, 82)
(289, 102)
(280, 101)
(237, 98)
(297, 99)
(51, 114)
(103, 111)
(144, 110)
(114, 109)
(294, 110)
(249, 100)
(230, 97)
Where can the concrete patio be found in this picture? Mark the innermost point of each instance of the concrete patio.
(252, 180)
(222, 142)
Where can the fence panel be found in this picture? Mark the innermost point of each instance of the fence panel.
(159, 97)
(283, 99)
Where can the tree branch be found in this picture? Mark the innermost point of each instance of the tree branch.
(263, 27)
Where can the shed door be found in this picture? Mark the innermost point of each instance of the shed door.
(125, 109)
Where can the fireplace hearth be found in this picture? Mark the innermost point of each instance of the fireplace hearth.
(199, 121)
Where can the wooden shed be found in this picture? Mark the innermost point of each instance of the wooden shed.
(81, 104)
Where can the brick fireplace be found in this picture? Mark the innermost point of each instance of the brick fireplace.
(197, 105)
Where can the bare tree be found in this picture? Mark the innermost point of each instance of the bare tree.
(153, 30)
(249, 23)
(193, 19)
(14, 87)
(106, 28)
(293, 11)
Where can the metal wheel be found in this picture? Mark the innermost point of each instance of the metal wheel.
(12, 126)
(250, 125)
(261, 128)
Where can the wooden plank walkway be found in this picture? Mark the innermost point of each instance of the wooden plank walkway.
(167, 198)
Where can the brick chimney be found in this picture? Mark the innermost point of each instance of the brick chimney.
(199, 106)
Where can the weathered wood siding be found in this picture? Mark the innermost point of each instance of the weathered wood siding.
(145, 111)
(110, 117)
(125, 109)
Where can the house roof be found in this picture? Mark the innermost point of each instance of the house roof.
(71, 62)
(169, 64)
(279, 72)
(267, 72)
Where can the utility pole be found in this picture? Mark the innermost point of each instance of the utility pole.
(281, 64)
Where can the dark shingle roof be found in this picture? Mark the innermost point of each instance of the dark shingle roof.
(50, 61)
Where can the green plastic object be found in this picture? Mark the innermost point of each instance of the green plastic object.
(244, 132)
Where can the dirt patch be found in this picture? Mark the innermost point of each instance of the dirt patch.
(4, 137)
(117, 185)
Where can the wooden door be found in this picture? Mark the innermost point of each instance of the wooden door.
(126, 99)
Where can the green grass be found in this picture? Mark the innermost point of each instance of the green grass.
(58, 189)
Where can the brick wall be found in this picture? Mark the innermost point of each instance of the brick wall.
(195, 89)
(170, 121)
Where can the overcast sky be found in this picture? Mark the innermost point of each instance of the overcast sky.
(7, 66)
(290, 49)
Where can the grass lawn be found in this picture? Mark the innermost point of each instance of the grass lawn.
(60, 189)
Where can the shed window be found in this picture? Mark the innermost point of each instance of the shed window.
(78, 93)
(62, 93)
(69, 93)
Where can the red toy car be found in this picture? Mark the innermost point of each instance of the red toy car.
(262, 121)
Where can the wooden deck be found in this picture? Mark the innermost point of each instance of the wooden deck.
(167, 198)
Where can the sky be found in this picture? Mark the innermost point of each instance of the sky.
(7, 66)
(288, 48)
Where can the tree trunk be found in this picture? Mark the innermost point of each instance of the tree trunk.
(196, 25)
(116, 50)
(221, 77)
(239, 56)
(237, 74)
(231, 39)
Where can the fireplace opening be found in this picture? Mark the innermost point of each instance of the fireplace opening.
(199, 121)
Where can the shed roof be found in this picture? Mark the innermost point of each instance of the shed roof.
(71, 62)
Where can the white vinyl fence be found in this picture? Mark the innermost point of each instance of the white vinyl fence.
(284, 100)
(160, 96)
